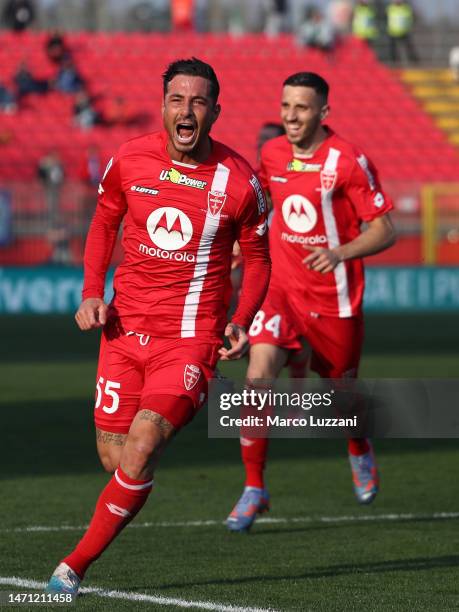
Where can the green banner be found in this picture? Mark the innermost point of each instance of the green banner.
(43, 290)
(53, 290)
(399, 289)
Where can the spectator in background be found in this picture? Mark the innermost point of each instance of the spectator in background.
(7, 100)
(364, 21)
(68, 79)
(316, 31)
(117, 112)
(340, 15)
(85, 116)
(56, 49)
(26, 83)
(18, 14)
(400, 21)
(90, 173)
(454, 62)
(182, 15)
(276, 18)
(51, 174)
(91, 167)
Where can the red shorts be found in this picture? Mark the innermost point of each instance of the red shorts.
(134, 370)
(272, 325)
(336, 342)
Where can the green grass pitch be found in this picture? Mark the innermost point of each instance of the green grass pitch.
(401, 558)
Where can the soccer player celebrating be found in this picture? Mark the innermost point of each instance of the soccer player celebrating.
(183, 199)
(322, 189)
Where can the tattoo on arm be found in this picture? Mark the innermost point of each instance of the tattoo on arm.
(107, 437)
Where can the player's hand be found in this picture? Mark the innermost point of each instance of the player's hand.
(91, 314)
(239, 343)
(321, 260)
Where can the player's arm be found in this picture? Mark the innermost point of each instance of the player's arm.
(378, 236)
(252, 237)
(100, 242)
(371, 205)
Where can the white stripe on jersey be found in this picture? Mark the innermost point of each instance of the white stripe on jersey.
(342, 285)
(211, 224)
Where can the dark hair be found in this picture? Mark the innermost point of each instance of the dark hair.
(192, 67)
(309, 79)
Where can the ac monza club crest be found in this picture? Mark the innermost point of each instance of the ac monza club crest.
(328, 179)
(191, 375)
(215, 202)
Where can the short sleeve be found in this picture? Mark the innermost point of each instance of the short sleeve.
(365, 192)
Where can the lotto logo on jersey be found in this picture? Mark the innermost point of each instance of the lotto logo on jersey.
(299, 214)
(146, 190)
(174, 176)
(191, 375)
(169, 228)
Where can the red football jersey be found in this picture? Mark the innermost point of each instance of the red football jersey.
(179, 225)
(320, 200)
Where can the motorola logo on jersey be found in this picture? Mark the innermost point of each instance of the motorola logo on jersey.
(314, 240)
(299, 214)
(169, 228)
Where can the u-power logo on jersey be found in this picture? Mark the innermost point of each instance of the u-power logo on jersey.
(170, 229)
(174, 176)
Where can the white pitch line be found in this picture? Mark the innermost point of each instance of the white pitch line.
(129, 596)
(435, 516)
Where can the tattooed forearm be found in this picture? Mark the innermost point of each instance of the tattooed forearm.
(107, 437)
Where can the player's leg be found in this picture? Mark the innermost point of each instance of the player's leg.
(337, 345)
(265, 363)
(272, 340)
(172, 393)
(119, 382)
(128, 490)
(118, 391)
(109, 448)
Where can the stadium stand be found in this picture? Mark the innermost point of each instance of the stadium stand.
(370, 105)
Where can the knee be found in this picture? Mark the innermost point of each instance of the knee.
(139, 456)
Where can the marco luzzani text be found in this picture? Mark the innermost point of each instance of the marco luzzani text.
(268, 401)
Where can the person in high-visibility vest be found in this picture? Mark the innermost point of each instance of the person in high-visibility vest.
(400, 21)
(364, 21)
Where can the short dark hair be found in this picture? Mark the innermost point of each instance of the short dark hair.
(192, 67)
(309, 79)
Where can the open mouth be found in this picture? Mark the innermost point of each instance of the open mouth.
(185, 132)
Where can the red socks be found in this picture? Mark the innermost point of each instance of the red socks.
(117, 505)
(254, 451)
(358, 446)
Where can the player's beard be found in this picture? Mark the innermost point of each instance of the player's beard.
(303, 137)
